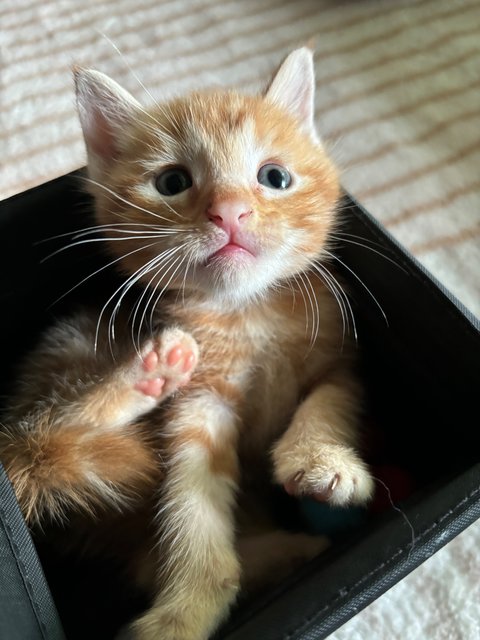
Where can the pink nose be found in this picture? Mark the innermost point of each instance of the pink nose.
(228, 214)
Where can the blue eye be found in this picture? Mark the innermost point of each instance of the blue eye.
(274, 176)
(173, 181)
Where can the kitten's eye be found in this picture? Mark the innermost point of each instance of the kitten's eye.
(274, 176)
(173, 181)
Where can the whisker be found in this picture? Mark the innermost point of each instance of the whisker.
(92, 240)
(129, 67)
(332, 255)
(106, 266)
(342, 238)
(328, 282)
(96, 228)
(158, 265)
(167, 204)
(131, 280)
(105, 227)
(299, 285)
(127, 202)
(159, 231)
(314, 307)
(184, 282)
(341, 298)
(179, 258)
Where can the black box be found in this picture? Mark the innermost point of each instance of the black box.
(420, 362)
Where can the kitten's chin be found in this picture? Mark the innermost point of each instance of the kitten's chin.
(231, 278)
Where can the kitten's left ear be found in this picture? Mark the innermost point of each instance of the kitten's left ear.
(105, 111)
(293, 88)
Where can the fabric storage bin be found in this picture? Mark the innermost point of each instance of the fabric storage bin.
(420, 358)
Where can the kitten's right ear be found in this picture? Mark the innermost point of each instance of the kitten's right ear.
(293, 88)
(105, 109)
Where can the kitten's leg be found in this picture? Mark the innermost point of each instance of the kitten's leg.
(69, 441)
(133, 388)
(200, 576)
(316, 454)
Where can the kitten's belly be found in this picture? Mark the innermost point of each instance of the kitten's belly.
(269, 404)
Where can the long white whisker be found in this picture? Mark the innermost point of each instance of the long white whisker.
(304, 302)
(166, 270)
(127, 202)
(161, 129)
(130, 232)
(340, 296)
(106, 227)
(167, 204)
(106, 266)
(328, 280)
(131, 281)
(342, 238)
(129, 67)
(313, 306)
(184, 282)
(165, 287)
(361, 282)
(167, 258)
(125, 286)
(103, 239)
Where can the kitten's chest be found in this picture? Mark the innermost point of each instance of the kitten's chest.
(256, 360)
(251, 361)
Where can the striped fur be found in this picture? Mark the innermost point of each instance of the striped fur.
(86, 429)
(398, 96)
(174, 46)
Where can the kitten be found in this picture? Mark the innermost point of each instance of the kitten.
(224, 204)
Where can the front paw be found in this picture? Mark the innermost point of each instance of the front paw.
(327, 472)
(166, 364)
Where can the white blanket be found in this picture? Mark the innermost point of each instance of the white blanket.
(398, 104)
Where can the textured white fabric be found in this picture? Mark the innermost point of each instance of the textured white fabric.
(440, 600)
(398, 104)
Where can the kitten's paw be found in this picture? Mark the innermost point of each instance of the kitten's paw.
(330, 473)
(167, 363)
(157, 624)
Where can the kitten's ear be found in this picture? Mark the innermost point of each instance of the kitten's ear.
(105, 109)
(293, 88)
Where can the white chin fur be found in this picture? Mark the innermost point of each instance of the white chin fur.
(233, 283)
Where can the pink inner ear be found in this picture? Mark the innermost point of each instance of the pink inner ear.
(293, 88)
(101, 137)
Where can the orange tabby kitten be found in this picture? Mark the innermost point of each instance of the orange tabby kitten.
(224, 204)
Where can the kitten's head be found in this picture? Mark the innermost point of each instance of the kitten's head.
(224, 194)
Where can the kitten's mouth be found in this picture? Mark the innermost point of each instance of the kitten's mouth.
(231, 249)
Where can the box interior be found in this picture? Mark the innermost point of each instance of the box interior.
(420, 380)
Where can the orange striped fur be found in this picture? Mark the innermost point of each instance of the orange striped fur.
(236, 261)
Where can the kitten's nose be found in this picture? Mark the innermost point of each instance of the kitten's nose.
(229, 214)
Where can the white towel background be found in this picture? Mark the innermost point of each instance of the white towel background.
(398, 105)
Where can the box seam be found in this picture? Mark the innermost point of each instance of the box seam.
(345, 590)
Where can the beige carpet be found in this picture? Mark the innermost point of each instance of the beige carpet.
(398, 104)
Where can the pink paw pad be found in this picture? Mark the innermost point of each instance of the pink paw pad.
(152, 387)
(167, 363)
(179, 353)
(174, 356)
(150, 361)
